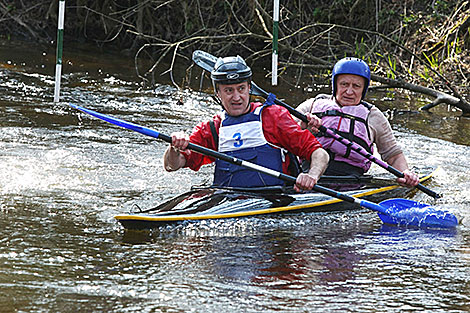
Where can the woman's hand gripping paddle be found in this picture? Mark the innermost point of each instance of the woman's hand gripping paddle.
(207, 62)
(393, 211)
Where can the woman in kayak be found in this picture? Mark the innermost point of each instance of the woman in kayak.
(264, 134)
(346, 112)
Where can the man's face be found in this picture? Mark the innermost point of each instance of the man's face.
(349, 89)
(235, 98)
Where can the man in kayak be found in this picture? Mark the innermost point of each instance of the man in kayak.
(346, 112)
(264, 134)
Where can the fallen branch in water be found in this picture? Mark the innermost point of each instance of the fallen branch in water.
(440, 97)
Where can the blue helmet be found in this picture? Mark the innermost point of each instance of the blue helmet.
(230, 70)
(352, 66)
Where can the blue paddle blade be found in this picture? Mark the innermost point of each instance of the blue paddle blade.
(406, 212)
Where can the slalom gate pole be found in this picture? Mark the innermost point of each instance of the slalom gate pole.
(275, 40)
(60, 39)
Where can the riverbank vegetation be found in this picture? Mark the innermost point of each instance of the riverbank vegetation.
(420, 46)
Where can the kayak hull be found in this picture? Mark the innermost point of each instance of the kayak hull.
(221, 203)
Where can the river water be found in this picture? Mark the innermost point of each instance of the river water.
(64, 176)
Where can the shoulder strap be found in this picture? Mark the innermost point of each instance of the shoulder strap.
(367, 104)
(294, 167)
(214, 133)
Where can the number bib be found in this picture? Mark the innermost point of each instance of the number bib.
(242, 137)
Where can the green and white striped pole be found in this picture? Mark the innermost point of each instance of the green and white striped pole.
(275, 38)
(60, 39)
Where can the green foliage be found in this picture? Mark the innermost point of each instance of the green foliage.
(442, 6)
(407, 19)
(392, 63)
(317, 13)
(189, 26)
(425, 75)
(433, 61)
(360, 51)
(373, 66)
(454, 47)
